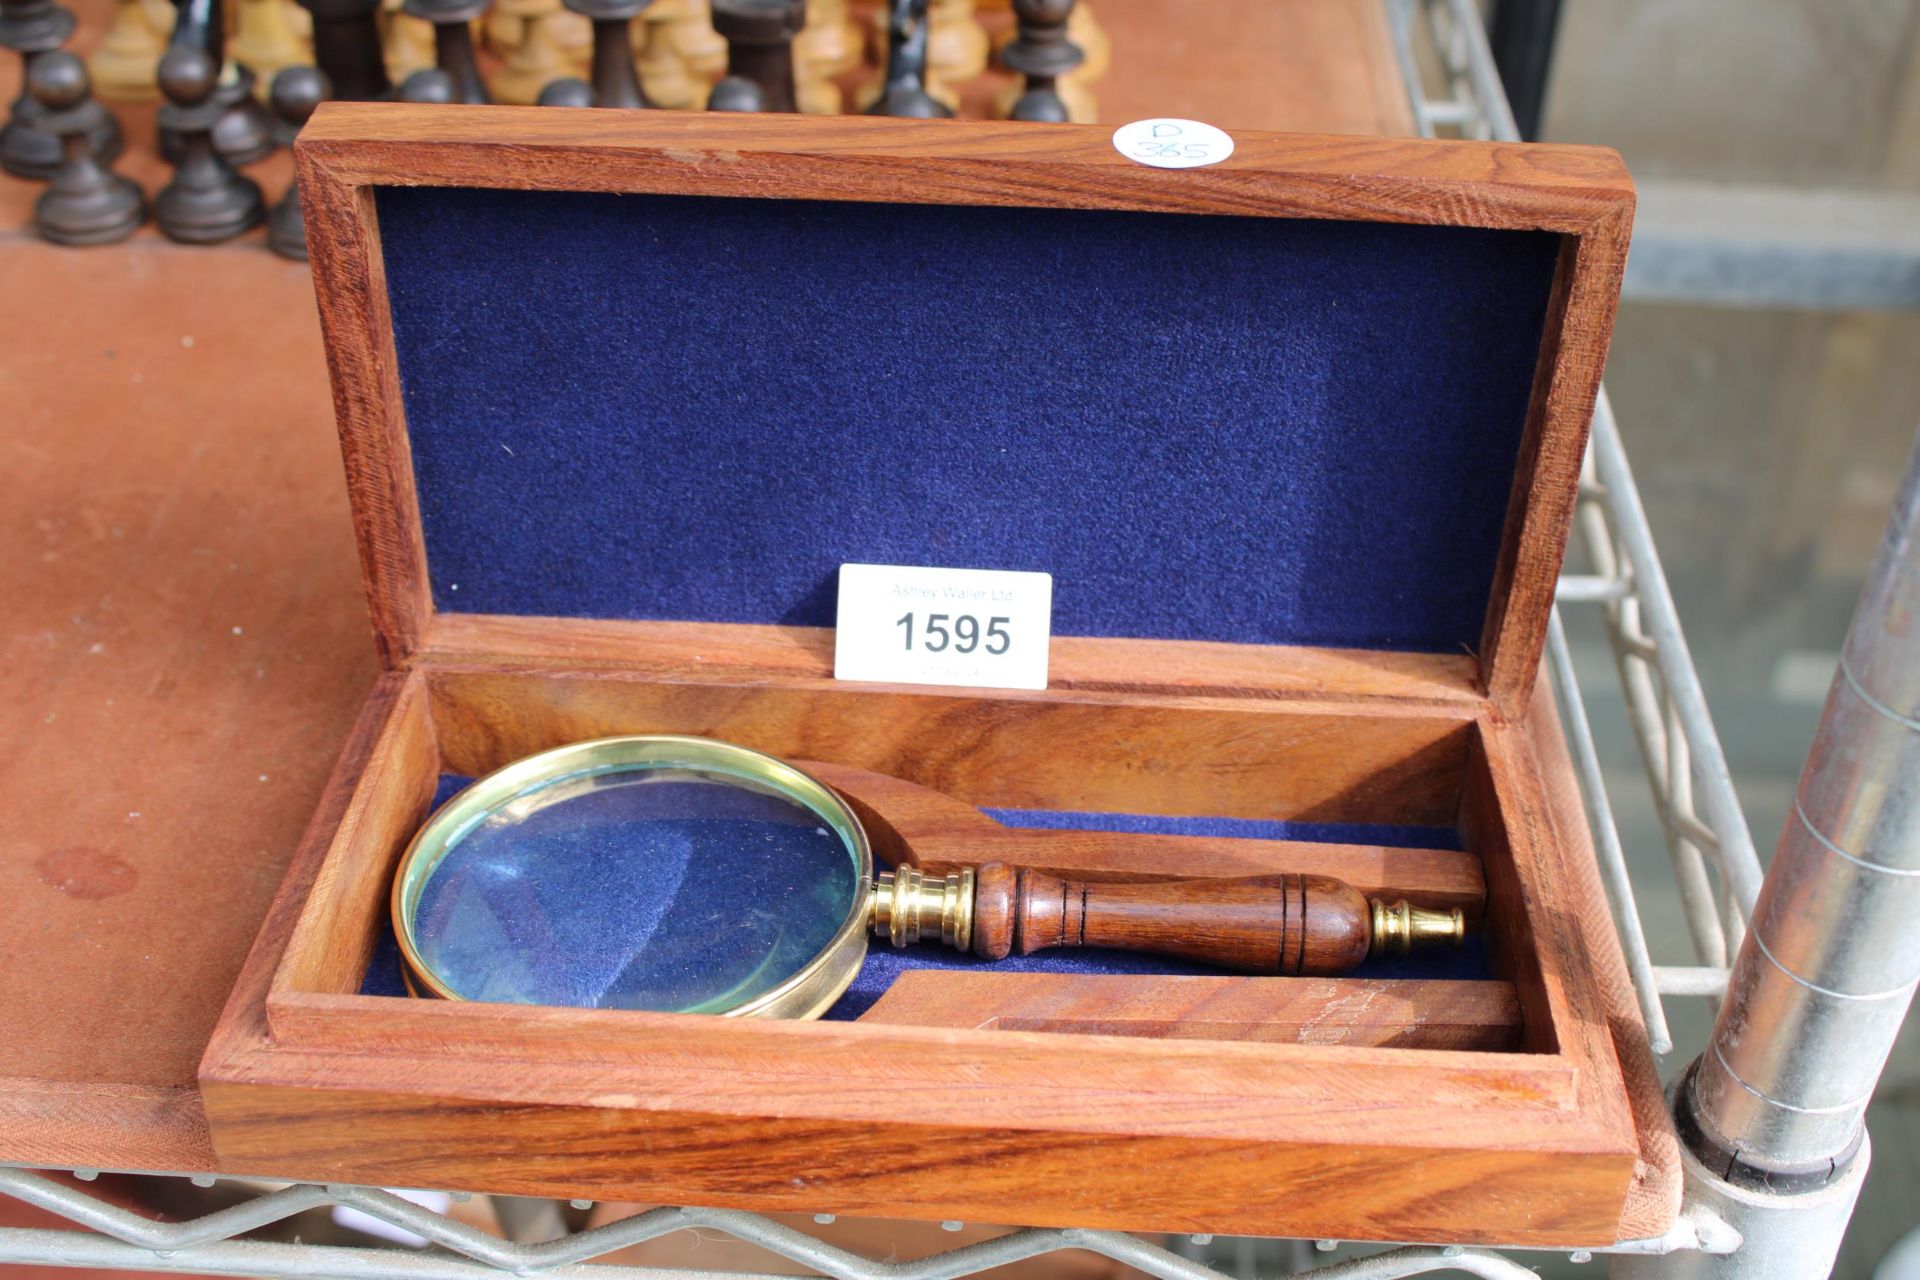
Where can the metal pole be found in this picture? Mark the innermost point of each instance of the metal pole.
(1773, 1113)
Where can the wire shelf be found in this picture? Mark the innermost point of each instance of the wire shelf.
(1716, 868)
(1455, 91)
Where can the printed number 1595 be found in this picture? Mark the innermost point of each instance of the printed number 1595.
(960, 632)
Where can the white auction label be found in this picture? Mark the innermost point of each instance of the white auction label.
(985, 628)
(1172, 144)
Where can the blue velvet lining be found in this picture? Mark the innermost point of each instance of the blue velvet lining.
(885, 964)
(1246, 429)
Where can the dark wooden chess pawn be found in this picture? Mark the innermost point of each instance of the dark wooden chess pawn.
(346, 45)
(567, 91)
(614, 81)
(453, 42)
(295, 94)
(244, 132)
(905, 91)
(759, 35)
(208, 200)
(33, 29)
(85, 201)
(429, 85)
(1042, 53)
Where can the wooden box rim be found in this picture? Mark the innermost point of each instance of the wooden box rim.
(1581, 193)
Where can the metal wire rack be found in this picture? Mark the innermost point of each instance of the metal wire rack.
(1716, 868)
(1455, 91)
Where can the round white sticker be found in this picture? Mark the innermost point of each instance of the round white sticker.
(1172, 144)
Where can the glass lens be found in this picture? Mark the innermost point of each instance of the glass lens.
(635, 887)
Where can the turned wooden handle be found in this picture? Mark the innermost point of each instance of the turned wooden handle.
(1284, 924)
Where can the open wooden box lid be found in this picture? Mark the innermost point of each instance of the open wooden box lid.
(1319, 407)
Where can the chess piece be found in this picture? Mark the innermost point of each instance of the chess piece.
(701, 48)
(429, 85)
(32, 28)
(1076, 87)
(1042, 53)
(208, 200)
(904, 90)
(957, 49)
(244, 132)
(615, 83)
(85, 201)
(263, 38)
(295, 94)
(569, 34)
(453, 42)
(573, 37)
(406, 41)
(568, 91)
(500, 29)
(534, 59)
(161, 15)
(346, 45)
(827, 47)
(759, 36)
(124, 63)
(664, 75)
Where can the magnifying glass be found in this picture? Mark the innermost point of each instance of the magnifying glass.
(690, 875)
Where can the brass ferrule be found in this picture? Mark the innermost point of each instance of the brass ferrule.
(1400, 928)
(907, 905)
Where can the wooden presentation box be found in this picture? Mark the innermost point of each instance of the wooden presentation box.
(1298, 435)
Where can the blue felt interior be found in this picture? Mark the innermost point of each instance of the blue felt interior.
(1249, 429)
(884, 964)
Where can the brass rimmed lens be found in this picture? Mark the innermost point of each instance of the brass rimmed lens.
(647, 872)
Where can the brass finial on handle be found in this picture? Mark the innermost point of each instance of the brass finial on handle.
(1399, 928)
(908, 905)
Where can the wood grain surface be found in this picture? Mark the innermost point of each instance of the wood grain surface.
(1326, 1011)
(688, 651)
(1653, 1196)
(186, 644)
(1288, 924)
(1124, 753)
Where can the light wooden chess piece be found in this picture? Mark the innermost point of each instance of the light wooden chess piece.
(572, 34)
(124, 66)
(1076, 87)
(500, 30)
(406, 42)
(829, 46)
(504, 28)
(698, 44)
(664, 74)
(535, 57)
(957, 48)
(264, 40)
